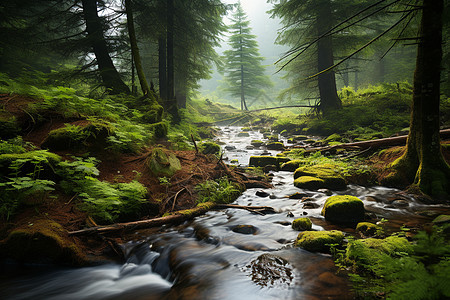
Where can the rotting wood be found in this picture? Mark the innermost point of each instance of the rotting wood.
(385, 142)
(176, 217)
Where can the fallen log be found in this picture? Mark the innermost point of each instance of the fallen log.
(176, 217)
(385, 142)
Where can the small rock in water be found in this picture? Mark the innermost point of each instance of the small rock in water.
(310, 205)
(245, 229)
(230, 148)
(297, 195)
(325, 191)
(269, 168)
(249, 147)
(262, 194)
(265, 153)
(305, 213)
(290, 214)
(272, 196)
(400, 203)
(271, 270)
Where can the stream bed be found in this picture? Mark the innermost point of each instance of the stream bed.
(214, 256)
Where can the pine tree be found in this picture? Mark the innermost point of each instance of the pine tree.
(244, 74)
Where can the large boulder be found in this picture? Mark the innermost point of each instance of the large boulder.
(327, 172)
(209, 148)
(163, 163)
(291, 165)
(263, 161)
(343, 209)
(318, 241)
(275, 146)
(309, 183)
(41, 241)
(78, 135)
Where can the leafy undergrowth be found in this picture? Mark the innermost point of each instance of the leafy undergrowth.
(420, 270)
(374, 112)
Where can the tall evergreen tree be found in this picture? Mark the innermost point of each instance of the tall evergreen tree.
(243, 72)
(304, 22)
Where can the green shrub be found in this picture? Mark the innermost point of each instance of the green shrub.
(218, 191)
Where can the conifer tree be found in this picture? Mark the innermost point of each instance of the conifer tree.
(244, 74)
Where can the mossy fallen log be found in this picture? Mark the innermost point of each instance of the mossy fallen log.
(173, 218)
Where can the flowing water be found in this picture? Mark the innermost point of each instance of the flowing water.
(209, 257)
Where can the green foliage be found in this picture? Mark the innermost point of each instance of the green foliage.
(418, 271)
(107, 202)
(11, 146)
(218, 191)
(22, 177)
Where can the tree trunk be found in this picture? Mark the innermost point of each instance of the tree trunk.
(162, 68)
(110, 77)
(134, 48)
(423, 162)
(329, 100)
(170, 50)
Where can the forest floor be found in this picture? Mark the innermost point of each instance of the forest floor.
(118, 167)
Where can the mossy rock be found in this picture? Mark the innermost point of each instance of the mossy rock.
(275, 146)
(263, 161)
(243, 134)
(209, 148)
(299, 138)
(9, 126)
(246, 129)
(257, 143)
(47, 160)
(309, 183)
(333, 138)
(80, 134)
(367, 252)
(441, 219)
(153, 114)
(367, 228)
(41, 241)
(343, 209)
(160, 129)
(163, 163)
(318, 241)
(301, 224)
(327, 172)
(291, 165)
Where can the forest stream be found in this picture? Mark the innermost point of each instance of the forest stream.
(224, 254)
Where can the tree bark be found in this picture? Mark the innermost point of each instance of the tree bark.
(170, 51)
(134, 48)
(329, 100)
(162, 68)
(423, 162)
(110, 77)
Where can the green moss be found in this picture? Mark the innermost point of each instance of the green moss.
(160, 129)
(28, 161)
(257, 143)
(441, 219)
(209, 148)
(343, 209)
(292, 165)
(206, 205)
(246, 129)
(75, 136)
(368, 252)
(302, 224)
(333, 138)
(309, 183)
(42, 241)
(262, 161)
(275, 146)
(9, 127)
(368, 229)
(163, 163)
(327, 172)
(318, 241)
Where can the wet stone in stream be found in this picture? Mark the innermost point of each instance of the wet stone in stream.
(271, 270)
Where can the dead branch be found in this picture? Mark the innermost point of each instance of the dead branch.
(176, 217)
